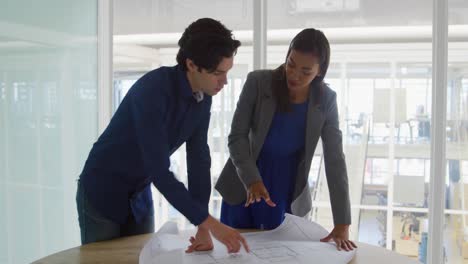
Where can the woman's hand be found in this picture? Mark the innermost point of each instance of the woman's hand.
(256, 192)
(340, 234)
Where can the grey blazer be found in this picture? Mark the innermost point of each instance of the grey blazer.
(251, 122)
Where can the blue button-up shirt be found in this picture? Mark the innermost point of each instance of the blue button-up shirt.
(158, 114)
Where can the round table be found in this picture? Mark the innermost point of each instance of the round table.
(127, 250)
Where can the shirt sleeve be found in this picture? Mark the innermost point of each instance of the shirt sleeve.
(199, 163)
(147, 108)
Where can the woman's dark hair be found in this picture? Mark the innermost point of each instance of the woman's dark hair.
(307, 41)
(206, 42)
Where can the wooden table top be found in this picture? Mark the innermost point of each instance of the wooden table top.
(127, 250)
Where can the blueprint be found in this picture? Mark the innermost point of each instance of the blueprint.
(296, 240)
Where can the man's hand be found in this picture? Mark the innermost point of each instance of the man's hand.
(256, 192)
(340, 234)
(230, 237)
(201, 242)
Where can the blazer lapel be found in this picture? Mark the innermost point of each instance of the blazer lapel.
(268, 109)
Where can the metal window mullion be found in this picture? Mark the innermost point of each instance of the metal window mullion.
(7, 192)
(391, 158)
(259, 34)
(438, 135)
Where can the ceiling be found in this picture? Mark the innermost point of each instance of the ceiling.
(158, 16)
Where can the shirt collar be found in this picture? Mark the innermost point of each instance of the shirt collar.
(198, 96)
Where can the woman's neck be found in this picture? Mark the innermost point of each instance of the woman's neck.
(298, 96)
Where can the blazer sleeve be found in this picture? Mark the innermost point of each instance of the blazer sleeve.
(238, 140)
(335, 165)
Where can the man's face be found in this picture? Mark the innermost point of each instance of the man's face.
(210, 83)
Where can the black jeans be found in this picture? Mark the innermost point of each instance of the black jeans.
(95, 227)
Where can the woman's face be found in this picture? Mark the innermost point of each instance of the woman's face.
(301, 69)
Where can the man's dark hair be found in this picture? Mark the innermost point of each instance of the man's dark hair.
(206, 42)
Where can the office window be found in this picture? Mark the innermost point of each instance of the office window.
(375, 189)
(411, 183)
(409, 234)
(372, 227)
(456, 202)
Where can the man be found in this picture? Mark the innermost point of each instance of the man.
(165, 108)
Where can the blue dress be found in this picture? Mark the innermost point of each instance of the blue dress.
(277, 164)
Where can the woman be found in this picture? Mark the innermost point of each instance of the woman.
(279, 118)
